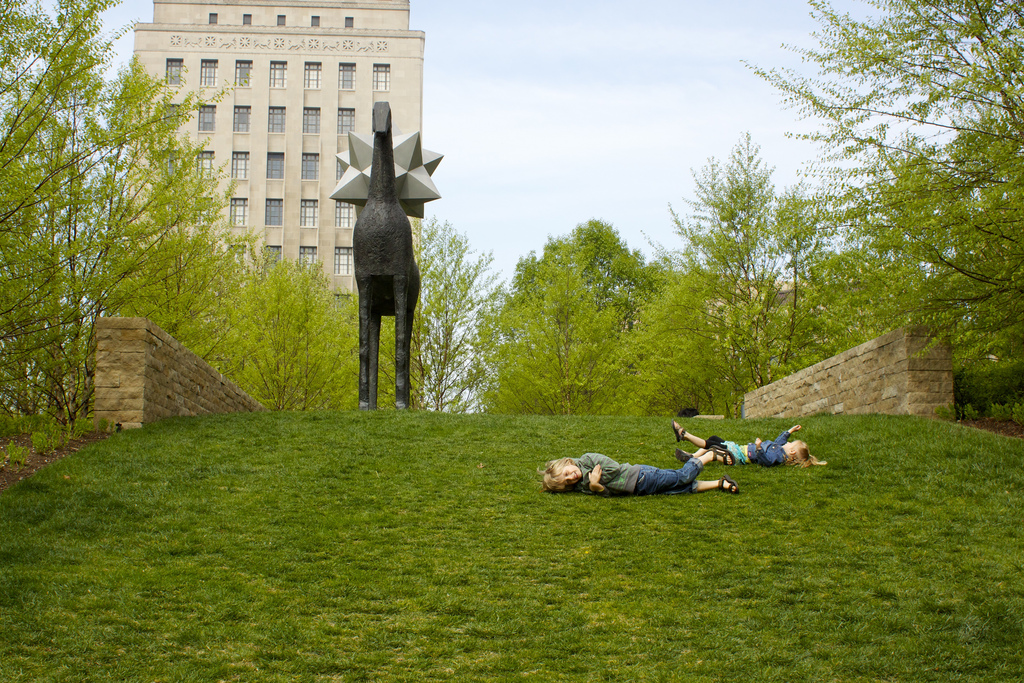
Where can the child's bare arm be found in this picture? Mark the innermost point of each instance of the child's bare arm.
(595, 480)
(794, 428)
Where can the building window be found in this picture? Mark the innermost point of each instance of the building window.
(208, 73)
(206, 161)
(272, 252)
(240, 165)
(337, 171)
(247, 21)
(343, 260)
(311, 75)
(243, 72)
(344, 214)
(275, 124)
(314, 21)
(310, 166)
(275, 165)
(239, 212)
(346, 121)
(346, 76)
(307, 255)
(275, 212)
(382, 77)
(174, 67)
(213, 17)
(240, 120)
(207, 115)
(350, 22)
(280, 20)
(171, 112)
(309, 213)
(311, 120)
(278, 74)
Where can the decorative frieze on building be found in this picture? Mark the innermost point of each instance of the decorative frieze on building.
(249, 43)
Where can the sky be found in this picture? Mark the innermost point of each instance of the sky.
(550, 113)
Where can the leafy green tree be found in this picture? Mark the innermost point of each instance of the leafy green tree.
(293, 345)
(556, 352)
(560, 343)
(612, 274)
(744, 266)
(458, 289)
(922, 108)
(103, 194)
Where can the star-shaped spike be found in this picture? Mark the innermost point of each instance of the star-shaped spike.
(413, 168)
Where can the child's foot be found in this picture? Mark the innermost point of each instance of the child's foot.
(727, 484)
(683, 456)
(679, 431)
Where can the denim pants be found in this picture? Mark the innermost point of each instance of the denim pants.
(652, 480)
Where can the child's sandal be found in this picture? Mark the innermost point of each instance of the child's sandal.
(727, 484)
(678, 431)
(683, 456)
(724, 456)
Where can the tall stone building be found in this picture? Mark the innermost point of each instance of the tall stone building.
(299, 76)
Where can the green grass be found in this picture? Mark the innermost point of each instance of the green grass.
(350, 546)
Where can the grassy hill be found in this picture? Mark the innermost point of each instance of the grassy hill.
(414, 546)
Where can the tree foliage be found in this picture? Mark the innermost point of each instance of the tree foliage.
(293, 346)
(923, 111)
(101, 196)
(458, 290)
(560, 342)
(748, 252)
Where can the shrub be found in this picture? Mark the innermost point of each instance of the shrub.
(1018, 413)
(16, 455)
(48, 439)
(1000, 411)
(987, 383)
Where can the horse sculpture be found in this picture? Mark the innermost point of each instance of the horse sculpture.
(387, 276)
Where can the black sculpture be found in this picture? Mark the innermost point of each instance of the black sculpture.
(387, 276)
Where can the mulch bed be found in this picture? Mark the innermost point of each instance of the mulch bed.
(9, 476)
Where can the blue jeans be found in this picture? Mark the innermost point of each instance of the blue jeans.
(652, 480)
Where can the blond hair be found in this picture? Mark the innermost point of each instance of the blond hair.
(554, 480)
(801, 455)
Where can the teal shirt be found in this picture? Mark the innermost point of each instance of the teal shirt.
(617, 479)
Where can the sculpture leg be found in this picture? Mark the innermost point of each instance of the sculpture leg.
(403, 341)
(365, 333)
(373, 355)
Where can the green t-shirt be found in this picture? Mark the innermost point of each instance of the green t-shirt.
(617, 479)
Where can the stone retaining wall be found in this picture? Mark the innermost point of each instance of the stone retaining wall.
(144, 375)
(899, 373)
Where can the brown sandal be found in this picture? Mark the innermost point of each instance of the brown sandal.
(727, 484)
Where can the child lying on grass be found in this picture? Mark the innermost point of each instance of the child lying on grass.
(597, 474)
(777, 452)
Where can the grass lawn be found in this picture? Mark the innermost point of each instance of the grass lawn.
(416, 546)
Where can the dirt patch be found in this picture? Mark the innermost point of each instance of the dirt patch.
(1004, 427)
(11, 474)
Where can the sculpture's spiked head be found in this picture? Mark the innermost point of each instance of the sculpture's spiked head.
(381, 117)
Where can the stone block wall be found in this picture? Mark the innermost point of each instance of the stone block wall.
(144, 375)
(899, 373)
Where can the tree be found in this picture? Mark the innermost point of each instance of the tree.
(457, 291)
(555, 352)
(293, 345)
(923, 113)
(747, 251)
(559, 343)
(103, 193)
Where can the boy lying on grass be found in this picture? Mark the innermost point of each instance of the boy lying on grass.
(597, 474)
(778, 452)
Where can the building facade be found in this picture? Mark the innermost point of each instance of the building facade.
(297, 76)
